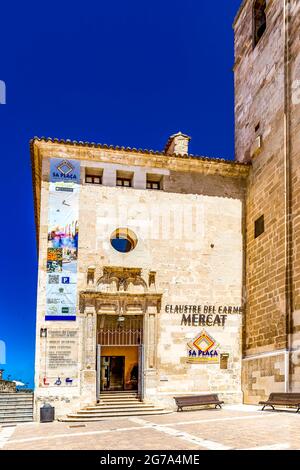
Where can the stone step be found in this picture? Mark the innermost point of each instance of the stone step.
(15, 403)
(15, 398)
(9, 419)
(101, 416)
(16, 420)
(118, 402)
(113, 392)
(8, 395)
(9, 406)
(117, 409)
(15, 412)
(117, 397)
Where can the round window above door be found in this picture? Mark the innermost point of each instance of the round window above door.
(123, 240)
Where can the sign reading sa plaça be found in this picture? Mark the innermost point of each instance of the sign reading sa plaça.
(64, 170)
(203, 315)
(203, 350)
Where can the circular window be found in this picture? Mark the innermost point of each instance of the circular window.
(123, 240)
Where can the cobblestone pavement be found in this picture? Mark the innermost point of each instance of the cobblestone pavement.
(234, 427)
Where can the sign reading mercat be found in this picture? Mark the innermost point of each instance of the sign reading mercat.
(203, 315)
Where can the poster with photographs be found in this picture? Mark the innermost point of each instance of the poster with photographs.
(62, 251)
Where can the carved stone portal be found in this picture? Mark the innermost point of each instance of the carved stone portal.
(121, 291)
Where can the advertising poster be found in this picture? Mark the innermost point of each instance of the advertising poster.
(62, 251)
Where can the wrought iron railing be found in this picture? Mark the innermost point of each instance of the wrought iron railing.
(120, 337)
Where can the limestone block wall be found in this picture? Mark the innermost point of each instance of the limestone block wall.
(267, 101)
(259, 99)
(190, 235)
(259, 113)
(294, 142)
(262, 376)
(194, 244)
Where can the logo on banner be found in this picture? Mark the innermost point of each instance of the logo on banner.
(64, 170)
(203, 350)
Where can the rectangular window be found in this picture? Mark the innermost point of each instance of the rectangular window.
(154, 182)
(124, 178)
(93, 179)
(153, 185)
(259, 226)
(124, 182)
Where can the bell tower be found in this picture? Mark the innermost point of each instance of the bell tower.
(267, 121)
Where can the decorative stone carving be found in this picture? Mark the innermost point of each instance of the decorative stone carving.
(121, 278)
(120, 289)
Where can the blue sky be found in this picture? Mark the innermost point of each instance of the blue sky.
(127, 73)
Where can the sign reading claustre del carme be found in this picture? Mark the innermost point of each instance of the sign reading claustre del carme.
(203, 315)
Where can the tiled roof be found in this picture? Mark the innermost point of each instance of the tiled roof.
(128, 149)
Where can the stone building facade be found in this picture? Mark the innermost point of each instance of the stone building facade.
(267, 79)
(163, 315)
(175, 274)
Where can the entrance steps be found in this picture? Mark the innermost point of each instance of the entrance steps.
(16, 407)
(115, 404)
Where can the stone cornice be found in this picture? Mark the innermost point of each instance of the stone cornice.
(92, 298)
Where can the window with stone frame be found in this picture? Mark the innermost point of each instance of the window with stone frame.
(259, 20)
(124, 178)
(93, 179)
(154, 182)
(93, 175)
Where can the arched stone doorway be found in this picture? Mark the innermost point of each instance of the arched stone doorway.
(120, 311)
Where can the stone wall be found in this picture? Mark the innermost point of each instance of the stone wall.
(7, 387)
(294, 143)
(262, 121)
(262, 375)
(190, 235)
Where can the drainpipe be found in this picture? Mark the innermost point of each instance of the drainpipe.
(287, 194)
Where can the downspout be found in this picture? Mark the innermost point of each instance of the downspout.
(287, 194)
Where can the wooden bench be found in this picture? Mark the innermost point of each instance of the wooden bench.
(282, 399)
(198, 400)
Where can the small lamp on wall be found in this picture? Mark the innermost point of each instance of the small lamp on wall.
(121, 317)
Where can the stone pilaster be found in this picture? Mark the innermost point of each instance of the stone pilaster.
(88, 373)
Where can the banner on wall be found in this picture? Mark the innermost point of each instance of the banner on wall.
(62, 251)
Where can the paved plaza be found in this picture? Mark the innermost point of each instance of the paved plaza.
(232, 428)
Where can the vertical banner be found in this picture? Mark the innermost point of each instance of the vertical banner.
(62, 251)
